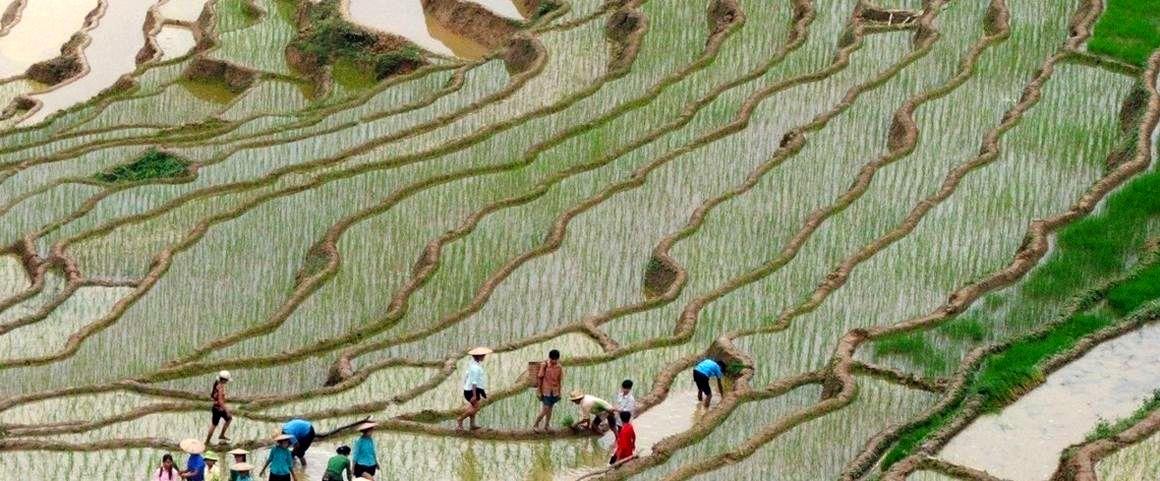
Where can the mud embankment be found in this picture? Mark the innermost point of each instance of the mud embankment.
(473, 21)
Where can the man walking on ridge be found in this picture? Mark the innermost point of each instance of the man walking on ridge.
(548, 383)
(219, 411)
(474, 386)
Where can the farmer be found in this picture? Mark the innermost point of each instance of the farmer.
(239, 455)
(167, 471)
(625, 403)
(474, 386)
(303, 435)
(195, 465)
(701, 373)
(548, 383)
(625, 439)
(592, 411)
(241, 471)
(365, 459)
(338, 466)
(280, 462)
(212, 471)
(219, 411)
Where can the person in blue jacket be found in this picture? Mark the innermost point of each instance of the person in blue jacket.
(704, 370)
(303, 435)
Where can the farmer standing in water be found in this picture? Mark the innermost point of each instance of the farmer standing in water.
(474, 386)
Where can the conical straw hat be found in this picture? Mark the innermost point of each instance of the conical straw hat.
(480, 351)
(192, 446)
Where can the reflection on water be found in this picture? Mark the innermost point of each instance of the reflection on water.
(1025, 440)
(111, 53)
(175, 41)
(183, 10)
(407, 19)
(44, 26)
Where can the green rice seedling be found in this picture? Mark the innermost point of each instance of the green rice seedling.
(1127, 30)
(153, 164)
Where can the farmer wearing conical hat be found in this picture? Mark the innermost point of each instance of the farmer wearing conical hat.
(212, 471)
(219, 411)
(280, 462)
(593, 410)
(239, 455)
(474, 386)
(366, 461)
(195, 465)
(241, 471)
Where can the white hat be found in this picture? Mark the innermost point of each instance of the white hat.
(283, 437)
(192, 446)
(366, 426)
(242, 467)
(224, 375)
(238, 451)
(480, 351)
(576, 395)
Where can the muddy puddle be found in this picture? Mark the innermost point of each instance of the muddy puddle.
(43, 26)
(1025, 440)
(407, 19)
(111, 53)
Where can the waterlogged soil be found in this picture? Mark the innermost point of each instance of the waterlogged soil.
(1025, 440)
(674, 415)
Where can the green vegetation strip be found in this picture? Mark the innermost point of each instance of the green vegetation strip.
(154, 164)
(1105, 430)
(1128, 30)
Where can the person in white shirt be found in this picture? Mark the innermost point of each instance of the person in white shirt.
(474, 386)
(625, 402)
(593, 410)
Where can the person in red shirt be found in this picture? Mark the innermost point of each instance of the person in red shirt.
(625, 439)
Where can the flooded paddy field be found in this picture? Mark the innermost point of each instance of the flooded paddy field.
(920, 238)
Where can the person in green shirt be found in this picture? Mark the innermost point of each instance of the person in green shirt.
(338, 465)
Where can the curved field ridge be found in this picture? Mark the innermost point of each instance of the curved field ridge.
(638, 183)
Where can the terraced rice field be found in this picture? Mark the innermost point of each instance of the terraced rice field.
(887, 220)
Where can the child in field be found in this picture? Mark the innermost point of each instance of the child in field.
(338, 467)
(625, 439)
(167, 471)
(625, 403)
(548, 383)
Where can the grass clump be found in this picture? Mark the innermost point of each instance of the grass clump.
(1106, 430)
(1143, 287)
(916, 348)
(1128, 30)
(154, 164)
(965, 329)
(567, 422)
(330, 38)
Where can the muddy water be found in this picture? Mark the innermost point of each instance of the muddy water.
(112, 52)
(674, 415)
(175, 41)
(407, 19)
(502, 7)
(1025, 440)
(43, 27)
